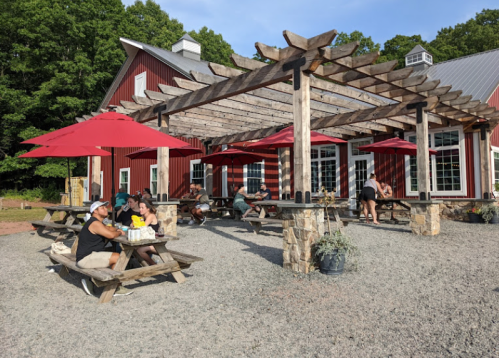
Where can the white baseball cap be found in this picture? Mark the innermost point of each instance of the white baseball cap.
(96, 204)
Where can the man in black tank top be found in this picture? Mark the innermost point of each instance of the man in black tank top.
(92, 241)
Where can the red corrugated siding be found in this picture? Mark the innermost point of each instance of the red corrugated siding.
(157, 72)
(470, 165)
(343, 170)
(494, 101)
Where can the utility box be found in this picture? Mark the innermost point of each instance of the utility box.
(77, 191)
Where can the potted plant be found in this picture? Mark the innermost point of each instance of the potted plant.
(475, 215)
(490, 214)
(332, 249)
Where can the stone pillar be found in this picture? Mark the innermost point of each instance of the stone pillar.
(303, 225)
(425, 217)
(166, 212)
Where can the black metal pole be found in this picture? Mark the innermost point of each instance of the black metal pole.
(69, 184)
(113, 198)
(233, 188)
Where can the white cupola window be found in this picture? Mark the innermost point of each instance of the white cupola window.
(418, 55)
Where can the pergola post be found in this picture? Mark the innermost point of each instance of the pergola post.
(485, 162)
(209, 171)
(425, 213)
(302, 162)
(96, 182)
(285, 158)
(423, 156)
(166, 211)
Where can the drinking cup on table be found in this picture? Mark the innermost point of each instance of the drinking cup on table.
(126, 207)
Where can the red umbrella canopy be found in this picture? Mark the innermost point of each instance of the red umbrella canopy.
(393, 146)
(232, 157)
(286, 138)
(108, 129)
(152, 153)
(65, 152)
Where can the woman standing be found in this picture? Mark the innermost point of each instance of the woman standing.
(148, 212)
(368, 197)
(239, 203)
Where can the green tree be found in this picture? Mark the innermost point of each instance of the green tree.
(213, 47)
(151, 25)
(476, 35)
(367, 45)
(399, 46)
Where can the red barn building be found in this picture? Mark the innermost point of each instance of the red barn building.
(455, 170)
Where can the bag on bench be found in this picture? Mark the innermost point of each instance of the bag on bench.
(59, 248)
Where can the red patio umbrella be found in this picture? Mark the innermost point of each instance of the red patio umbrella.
(152, 153)
(231, 157)
(286, 138)
(108, 129)
(393, 146)
(66, 152)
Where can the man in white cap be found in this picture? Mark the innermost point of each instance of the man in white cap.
(92, 241)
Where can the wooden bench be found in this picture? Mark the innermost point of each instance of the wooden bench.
(41, 225)
(257, 222)
(173, 262)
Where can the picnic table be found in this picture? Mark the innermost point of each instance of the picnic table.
(383, 206)
(70, 222)
(265, 205)
(109, 278)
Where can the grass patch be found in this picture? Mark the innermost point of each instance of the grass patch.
(16, 215)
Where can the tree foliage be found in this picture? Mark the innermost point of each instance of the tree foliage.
(366, 43)
(57, 60)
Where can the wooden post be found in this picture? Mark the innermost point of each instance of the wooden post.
(301, 113)
(96, 184)
(485, 164)
(285, 158)
(209, 171)
(423, 157)
(163, 163)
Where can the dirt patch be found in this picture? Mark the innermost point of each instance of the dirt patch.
(7, 228)
(16, 203)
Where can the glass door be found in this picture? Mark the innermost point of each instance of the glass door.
(360, 166)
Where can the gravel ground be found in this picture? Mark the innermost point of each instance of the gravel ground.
(410, 297)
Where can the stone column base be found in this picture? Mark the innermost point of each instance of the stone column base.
(166, 212)
(425, 217)
(303, 224)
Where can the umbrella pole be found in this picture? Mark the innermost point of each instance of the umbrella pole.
(394, 180)
(69, 184)
(113, 198)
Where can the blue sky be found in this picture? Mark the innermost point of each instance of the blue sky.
(242, 23)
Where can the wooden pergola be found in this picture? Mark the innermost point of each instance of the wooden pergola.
(311, 86)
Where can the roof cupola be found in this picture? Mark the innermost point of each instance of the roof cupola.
(188, 47)
(418, 58)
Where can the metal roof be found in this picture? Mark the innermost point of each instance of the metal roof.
(188, 38)
(178, 62)
(476, 75)
(416, 49)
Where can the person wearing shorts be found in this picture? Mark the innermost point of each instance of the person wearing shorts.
(91, 245)
(202, 204)
(368, 198)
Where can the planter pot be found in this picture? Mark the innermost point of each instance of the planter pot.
(475, 218)
(332, 264)
(494, 220)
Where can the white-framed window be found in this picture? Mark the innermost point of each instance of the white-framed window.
(125, 179)
(495, 167)
(198, 172)
(140, 84)
(419, 57)
(428, 58)
(254, 174)
(447, 167)
(325, 168)
(153, 182)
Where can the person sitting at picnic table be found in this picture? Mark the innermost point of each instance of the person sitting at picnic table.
(124, 215)
(263, 194)
(387, 193)
(148, 212)
(368, 197)
(188, 207)
(239, 203)
(91, 245)
(202, 204)
(121, 199)
(147, 194)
